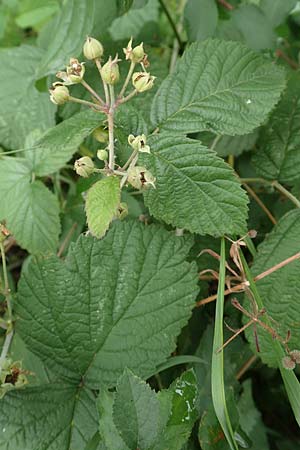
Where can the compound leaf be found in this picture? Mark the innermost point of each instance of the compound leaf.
(218, 86)
(195, 189)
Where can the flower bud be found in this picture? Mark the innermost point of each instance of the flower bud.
(102, 155)
(75, 71)
(59, 94)
(122, 211)
(92, 48)
(110, 71)
(138, 143)
(288, 363)
(142, 81)
(84, 166)
(136, 54)
(140, 178)
(101, 135)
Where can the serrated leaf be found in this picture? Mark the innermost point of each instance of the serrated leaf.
(68, 30)
(55, 416)
(102, 202)
(139, 426)
(280, 290)
(58, 144)
(31, 211)
(183, 413)
(218, 86)
(195, 189)
(22, 107)
(201, 17)
(134, 283)
(277, 156)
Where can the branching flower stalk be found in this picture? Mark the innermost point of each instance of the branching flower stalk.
(110, 75)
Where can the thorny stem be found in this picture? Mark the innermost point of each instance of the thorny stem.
(130, 72)
(242, 286)
(92, 92)
(110, 118)
(105, 88)
(172, 23)
(10, 333)
(85, 102)
(247, 325)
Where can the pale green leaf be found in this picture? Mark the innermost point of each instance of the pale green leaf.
(277, 156)
(134, 282)
(201, 17)
(139, 426)
(54, 416)
(218, 86)
(58, 144)
(102, 202)
(31, 211)
(195, 189)
(134, 20)
(254, 26)
(277, 10)
(33, 13)
(280, 290)
(68, 31)
(22, 107)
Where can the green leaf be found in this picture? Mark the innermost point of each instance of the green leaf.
(201, 17)
(33, 13)
(280, 290)
(217, 364)
(229, 145)
(107, 427)
(218, 86)
(183, 413)
(195, 189)
(123, 6)
(277, 10)
(22, 107)
(57, 145)
(68, 30)
(102, 202)
(254, 26)
(55, 416)
(139, 425)
(277, 156)
(74, 314)
(31, 211)
(132, 23)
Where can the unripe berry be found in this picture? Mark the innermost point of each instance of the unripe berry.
(75, 71)
(136, 54)
(102, 155)
(92, 48)
(138, 143)
(141, 178)
(101, 135)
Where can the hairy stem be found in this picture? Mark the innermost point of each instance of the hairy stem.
(92, 92)
(105, 88)
(86, 103)
(110, 118)
(128, 97)
(9, 335)
(287, 193)
(129, 75)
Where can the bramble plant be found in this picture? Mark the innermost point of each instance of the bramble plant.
(157, 174)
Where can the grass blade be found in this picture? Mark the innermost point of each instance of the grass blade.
(289, 378)
(217, 369)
